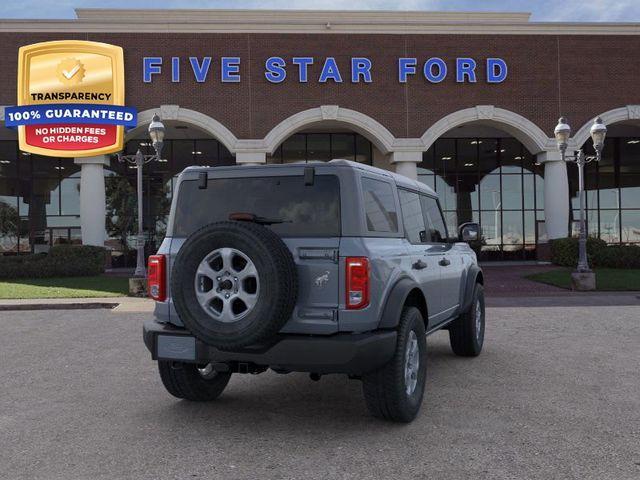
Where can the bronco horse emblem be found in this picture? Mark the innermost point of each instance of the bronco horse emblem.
(322, 279)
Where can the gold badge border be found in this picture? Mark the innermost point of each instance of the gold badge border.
(71, 47)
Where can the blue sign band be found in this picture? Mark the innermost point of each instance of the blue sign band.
(70, 113)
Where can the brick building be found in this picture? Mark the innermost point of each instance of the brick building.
(465, 102)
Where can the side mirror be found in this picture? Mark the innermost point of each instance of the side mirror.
(469, 232)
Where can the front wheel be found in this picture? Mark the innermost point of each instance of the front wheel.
(466, 333)
(395, 391)
(198, 383)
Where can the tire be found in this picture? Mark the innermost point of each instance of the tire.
(186, 380)
(242, 314)
(385, 390)
(465, 333)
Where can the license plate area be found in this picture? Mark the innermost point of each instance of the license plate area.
(176, 347)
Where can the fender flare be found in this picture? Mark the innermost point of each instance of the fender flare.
(395, 300)
(472, 278)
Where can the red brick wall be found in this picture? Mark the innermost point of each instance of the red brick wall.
(578, 76)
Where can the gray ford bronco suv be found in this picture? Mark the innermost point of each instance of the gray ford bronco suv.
(323, 268)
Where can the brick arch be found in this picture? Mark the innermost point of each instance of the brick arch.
(374, 131)
(527, 132)
(192, 117)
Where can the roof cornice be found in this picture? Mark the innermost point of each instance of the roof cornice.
(309, 21)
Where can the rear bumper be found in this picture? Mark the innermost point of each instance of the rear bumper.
(340, 353)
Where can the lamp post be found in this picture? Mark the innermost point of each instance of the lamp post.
(562, 133)
(156, 133)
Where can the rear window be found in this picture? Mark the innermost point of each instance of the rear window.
(305, 210)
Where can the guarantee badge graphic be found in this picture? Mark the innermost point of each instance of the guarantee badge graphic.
(71, 99)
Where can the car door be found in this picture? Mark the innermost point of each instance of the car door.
(424, 265)
(441, 251)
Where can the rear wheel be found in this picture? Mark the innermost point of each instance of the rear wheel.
(466, 333)
(395, 391)
(198, 383)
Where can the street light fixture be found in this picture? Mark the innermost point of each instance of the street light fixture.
(562, 133)
(156, 133)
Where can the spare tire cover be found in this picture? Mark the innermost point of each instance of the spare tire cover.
(234, 284)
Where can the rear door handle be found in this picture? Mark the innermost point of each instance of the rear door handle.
(444, 262)
(419, 265)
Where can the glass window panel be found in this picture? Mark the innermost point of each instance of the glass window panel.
(490, 198)
(343, 145)
(491, 228)
(511, 155)
(59, 221)
(629, 155)
(467, 154)
(528, 191)
(44, 199)
(69, 168)
(530, 227)
(465, 216)
(9, 218)
(24, 166)
(488, 156)
(630, 190)
(511, 192)
(294, 149)
(539, 192)
(608, 196)
(60, 236)
(428, 159)
(206, 152)
(467, 192)
(181, 156)
(445, 156)
(75, 235)
(412, 217)
(363, 150)
(512, 228)
(425, 177)
(631, 226)
(610, 226)
(276, 157)
(8, 158)
(318, 147)
(446, 193)
(226, 157)
(45, 166)
(70, 196)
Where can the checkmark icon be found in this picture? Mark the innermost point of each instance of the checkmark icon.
(71, 73)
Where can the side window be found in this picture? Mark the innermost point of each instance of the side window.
(436, 230)
(380, 206)
(412, 217)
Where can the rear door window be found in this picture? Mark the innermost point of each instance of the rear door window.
(380, 206)
(412, 217)
(299, 210)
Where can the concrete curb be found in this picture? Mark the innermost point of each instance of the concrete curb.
(57, 306)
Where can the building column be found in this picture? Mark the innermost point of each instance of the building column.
(251, 158)
(93, 209)
(406, 163)
(556, 194)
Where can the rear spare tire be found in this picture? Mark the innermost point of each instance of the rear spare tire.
(234, 284)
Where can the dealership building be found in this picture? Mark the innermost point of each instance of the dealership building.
(464, 102)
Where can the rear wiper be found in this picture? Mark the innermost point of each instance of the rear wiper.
(252, 217)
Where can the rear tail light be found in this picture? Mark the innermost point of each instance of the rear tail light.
(157, 278)
(357, 280)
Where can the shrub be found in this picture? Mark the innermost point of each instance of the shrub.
(564, 252)
(61, 261)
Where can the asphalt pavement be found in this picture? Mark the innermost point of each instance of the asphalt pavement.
(555, 394)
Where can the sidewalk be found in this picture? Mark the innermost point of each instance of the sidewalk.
(117, 304)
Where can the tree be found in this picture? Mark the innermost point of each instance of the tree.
(121, 209)
(9, 222)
